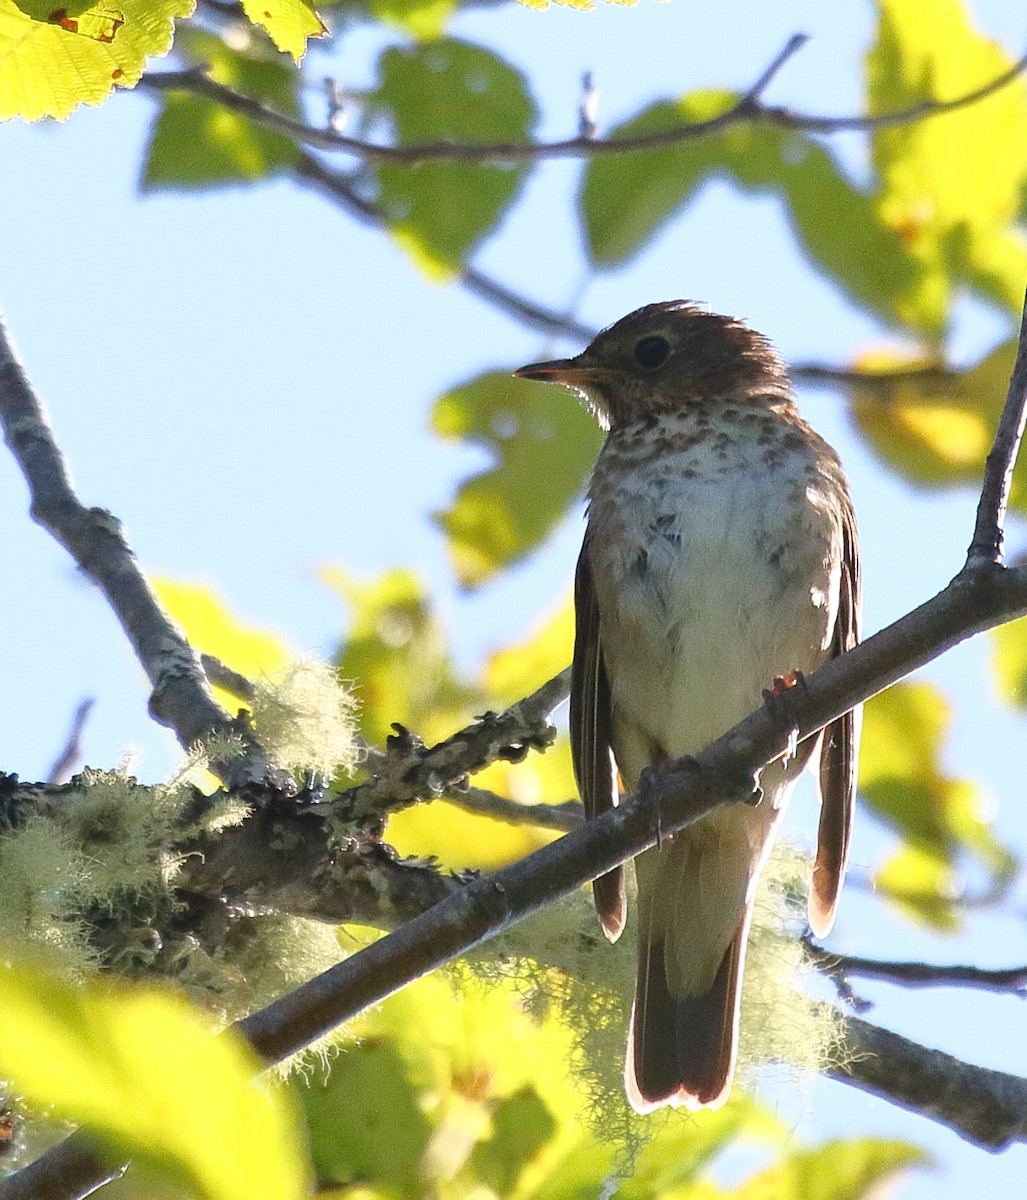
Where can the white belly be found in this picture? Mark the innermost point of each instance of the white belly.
(723, 582)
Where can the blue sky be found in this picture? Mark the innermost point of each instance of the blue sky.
(244, 378)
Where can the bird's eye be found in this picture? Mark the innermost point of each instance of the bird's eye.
(652, 352)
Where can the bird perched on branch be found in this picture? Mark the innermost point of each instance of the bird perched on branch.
(720, 555)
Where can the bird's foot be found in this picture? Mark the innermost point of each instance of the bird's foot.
(780, 701)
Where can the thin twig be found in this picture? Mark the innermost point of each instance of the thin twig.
(71, 752)
(311, 172)
(221, 675)
(748, 107)
(94, 538)
(566, 816)
(872, 380)
(989, 534)
(918, 974)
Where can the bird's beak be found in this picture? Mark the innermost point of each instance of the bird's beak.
(575, 372)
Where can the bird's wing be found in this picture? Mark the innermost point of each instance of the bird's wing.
(591, 733)
(839, 752)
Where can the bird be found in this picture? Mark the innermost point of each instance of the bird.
(720, 555)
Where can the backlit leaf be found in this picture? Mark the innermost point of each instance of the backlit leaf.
(196, 143)
(144, 1069)
(626, 199)
(927, 49)
(422, 19)
(544, 444)
(211, 628)
(1010, 661)
(55, 57)
(937, 429)
(439, 211)
(397, 655)
(289, 23)
(837, 1170)
(939, 817)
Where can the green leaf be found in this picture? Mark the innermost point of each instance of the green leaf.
(938, 817)
(289, 23)
(196, 143)
(838, 1170)
(924, 885)
(396, 652)
(143, 1068)
(958, 230)
(626, 199)
(544, 444)
(1009, 643)
(521, 1127)
(423, 19)
(365, 1121)
(450, 90)
(52, 59)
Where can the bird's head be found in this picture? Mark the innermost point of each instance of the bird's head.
(665, 357)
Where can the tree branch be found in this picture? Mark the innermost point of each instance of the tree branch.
(340, 189)
(565, 817)
(181, 697)
(917, 974)
(986, 547)
(987, 1108)
(669, 797)
(748, 108)
(409, 772)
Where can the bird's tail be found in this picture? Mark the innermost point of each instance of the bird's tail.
(682, 1050)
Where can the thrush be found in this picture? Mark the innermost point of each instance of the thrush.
(720, 554)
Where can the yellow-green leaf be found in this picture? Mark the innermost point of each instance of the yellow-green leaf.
(422, 19)
(1010, 661)
(290, 23)
(54, 58)
(923, 884)
(928, 50)
(143, 1068)
(543, 443)
(212, 628)
(838, 1170)
(939, 817)
(937, 429)
(365, 1121)
(397, 654)
(439, 211)
(197, 143)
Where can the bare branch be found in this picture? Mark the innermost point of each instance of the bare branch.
(566, 816)
(181, 697)
(871, 380)
(748, 108)
(409, 772)
(989, 535)
(71, 752)
(987, 1108)
(340, 189)
(670, 797)
(917, 974)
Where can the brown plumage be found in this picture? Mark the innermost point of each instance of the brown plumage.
(720, 553)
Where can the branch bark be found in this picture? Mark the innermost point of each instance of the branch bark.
(668, 799)
(181, 697)
(987, 1108)
(748, 108)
